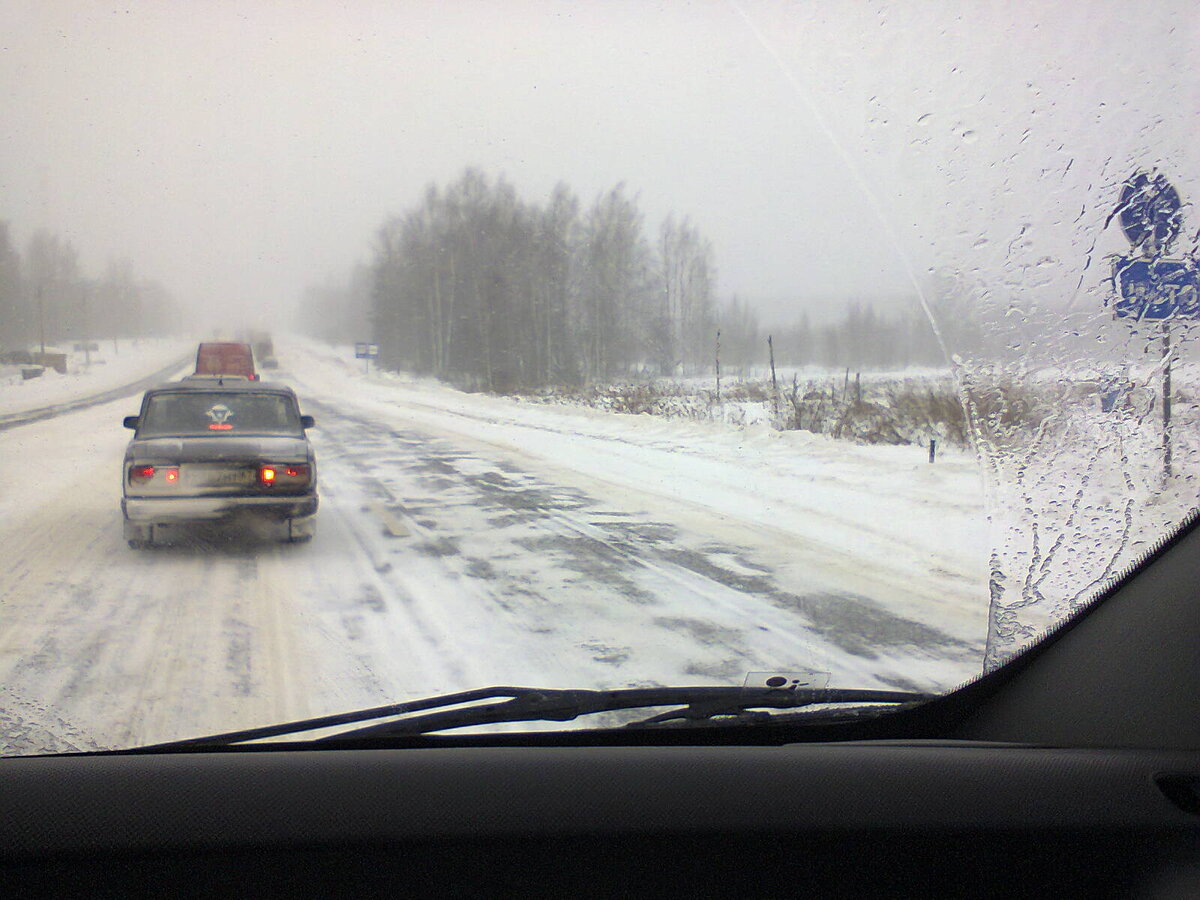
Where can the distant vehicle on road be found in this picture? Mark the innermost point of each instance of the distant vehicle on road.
(218, 453)
(226, 358)
(263, 345)
(264, 350)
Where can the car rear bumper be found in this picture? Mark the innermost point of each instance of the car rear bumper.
(161, 510)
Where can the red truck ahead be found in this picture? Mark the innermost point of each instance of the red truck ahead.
(228, 358)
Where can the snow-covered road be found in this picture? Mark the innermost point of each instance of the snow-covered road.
(466, 540)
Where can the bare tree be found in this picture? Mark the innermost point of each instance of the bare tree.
(53, 285)
(615, 287)
(15, 325)
(688, 274)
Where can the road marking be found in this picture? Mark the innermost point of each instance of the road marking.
(392, 525)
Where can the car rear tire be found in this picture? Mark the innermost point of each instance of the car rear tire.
(299, 531)
(139, 537)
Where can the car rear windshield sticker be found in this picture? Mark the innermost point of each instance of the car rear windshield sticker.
(219, 413)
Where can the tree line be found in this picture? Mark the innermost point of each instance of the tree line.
(46, 298)
(861, 339)
(481, 288)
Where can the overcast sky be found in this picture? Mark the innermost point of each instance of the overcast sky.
(239, 151)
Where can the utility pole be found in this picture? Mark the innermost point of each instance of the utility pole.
(774, 385)
(41, 305)
(718, 360)
(87, 331)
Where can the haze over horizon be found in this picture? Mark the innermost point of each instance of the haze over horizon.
(239, 153)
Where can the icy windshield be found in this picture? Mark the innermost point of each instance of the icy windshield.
(848, 345)
(193, 413)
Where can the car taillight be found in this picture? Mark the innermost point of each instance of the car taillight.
(291, 475)
(147, 474)
(141, 474)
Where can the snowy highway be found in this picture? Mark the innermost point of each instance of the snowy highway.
(466, 540)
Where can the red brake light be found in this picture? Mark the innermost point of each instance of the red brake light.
(144, 474)
(283, 474)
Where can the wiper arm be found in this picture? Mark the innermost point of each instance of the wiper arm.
(541, 705)
(523, 704)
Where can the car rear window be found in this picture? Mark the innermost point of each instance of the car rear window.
(218, 413)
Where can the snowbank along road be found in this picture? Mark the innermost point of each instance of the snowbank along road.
(466, 540)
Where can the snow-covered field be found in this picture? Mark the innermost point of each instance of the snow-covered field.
(467, 540)
(911, 406)
(110, 366)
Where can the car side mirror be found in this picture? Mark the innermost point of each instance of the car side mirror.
(307, 421)
(130, 422)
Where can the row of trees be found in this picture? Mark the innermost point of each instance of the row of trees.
(861, 339)
(46, 298)
(478, 286)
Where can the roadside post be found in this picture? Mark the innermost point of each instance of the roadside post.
(1151, 287)
(774, 385)
(366, 352)
(87, 330)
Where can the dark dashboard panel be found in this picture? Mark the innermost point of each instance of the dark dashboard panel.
(732, 821)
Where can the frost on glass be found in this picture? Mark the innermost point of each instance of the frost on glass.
(1065, 405)
(991, 143)
(1070, 438)
(1008, 158)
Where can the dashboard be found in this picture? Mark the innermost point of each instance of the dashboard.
(870, 818)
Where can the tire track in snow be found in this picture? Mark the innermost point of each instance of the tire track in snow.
(828, 515)
(919, 572)
(718, 596)
(136, 646)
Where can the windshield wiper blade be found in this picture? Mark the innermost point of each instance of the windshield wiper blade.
(524, 704)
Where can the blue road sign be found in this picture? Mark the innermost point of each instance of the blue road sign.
(366, 351)
(1156, 289)
(1149, 211)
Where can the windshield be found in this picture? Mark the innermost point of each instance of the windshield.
(835, 345)
(194, 413)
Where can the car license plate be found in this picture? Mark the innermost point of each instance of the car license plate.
(225, 477)
(235, 476)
